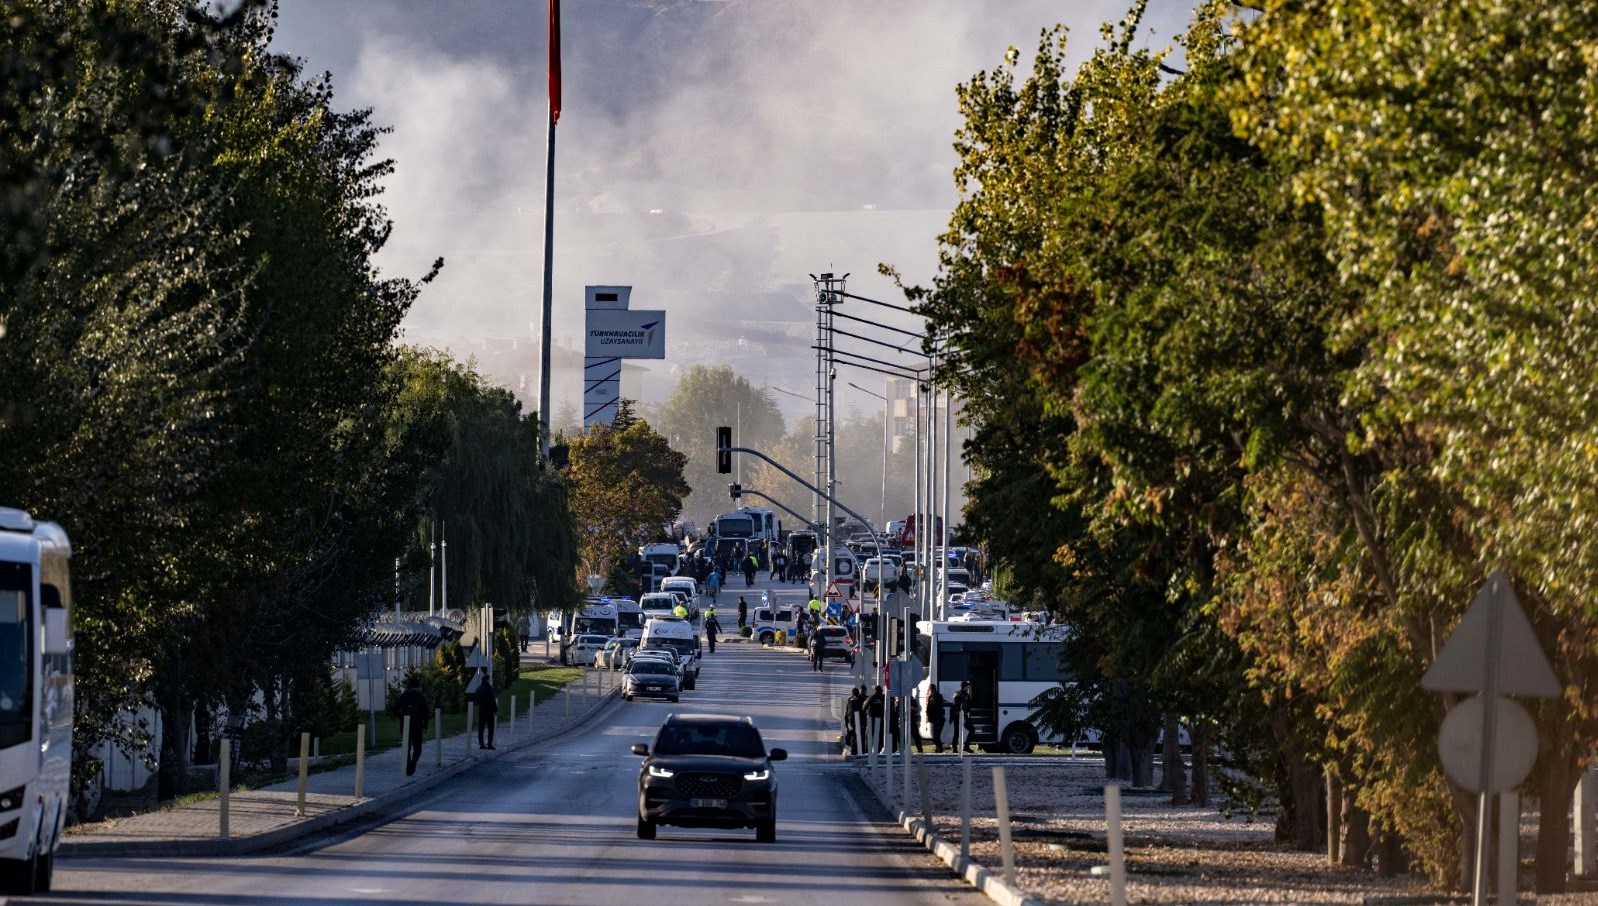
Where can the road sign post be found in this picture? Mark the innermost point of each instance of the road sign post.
(1493, 651)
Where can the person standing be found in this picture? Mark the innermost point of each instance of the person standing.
(874, 720)
(743, 612)
(802, 574)
(713, 583)
(751, 566)
(779, 567)
(818, 649)
(895, 716)
(855, 708)
(413, 704)
(487, 699)
(960, 711)
(711, 628)
(936, 710)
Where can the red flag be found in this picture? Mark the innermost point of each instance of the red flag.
(554, 61)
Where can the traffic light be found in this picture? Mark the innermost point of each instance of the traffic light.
(724, 450)
(736, 490)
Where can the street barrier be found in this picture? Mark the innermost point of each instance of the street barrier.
(223, 781)
(1001, 812)
(438, 737)
(1112, 835)
(305, 770)
(360, 761)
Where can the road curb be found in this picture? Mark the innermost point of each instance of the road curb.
(392, 801)
(985, 880)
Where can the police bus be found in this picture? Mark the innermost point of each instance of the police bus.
(35, 698)
(1007, 664)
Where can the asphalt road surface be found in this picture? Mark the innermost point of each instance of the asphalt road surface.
(555, 824)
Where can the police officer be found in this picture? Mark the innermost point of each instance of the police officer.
(960, 711)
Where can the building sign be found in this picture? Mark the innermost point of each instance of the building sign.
(625, 334)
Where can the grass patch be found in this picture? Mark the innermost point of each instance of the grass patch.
(541, 680)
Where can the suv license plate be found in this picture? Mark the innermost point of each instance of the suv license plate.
(707, 803)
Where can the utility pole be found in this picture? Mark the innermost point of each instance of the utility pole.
(544, 416)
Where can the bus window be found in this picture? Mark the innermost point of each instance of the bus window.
(1010, 662)
(16, 653)
(953, 666)
(1043, 662)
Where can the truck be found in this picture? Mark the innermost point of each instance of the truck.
(666, 554)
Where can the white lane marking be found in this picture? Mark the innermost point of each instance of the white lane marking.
(751, 898)
(370, 890)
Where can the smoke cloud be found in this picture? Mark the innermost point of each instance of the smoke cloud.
(711, 153)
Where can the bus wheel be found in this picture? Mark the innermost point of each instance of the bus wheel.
(1018, 739)
(43, 872)
(20, 876)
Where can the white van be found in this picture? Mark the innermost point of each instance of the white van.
(658, 604)
(767, 620)
(680, 583)
(678, 635)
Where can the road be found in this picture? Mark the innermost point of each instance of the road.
(555, 824)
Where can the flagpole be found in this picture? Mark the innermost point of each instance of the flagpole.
(544, 416)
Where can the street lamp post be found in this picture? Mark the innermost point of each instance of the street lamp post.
(882, 510)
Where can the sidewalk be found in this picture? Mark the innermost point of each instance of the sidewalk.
(265, 817)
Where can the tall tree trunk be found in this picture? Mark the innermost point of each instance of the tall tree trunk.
(1173, 773)
(1201, 762)
(202, 734)
(1356, 848)
(174, 765)
(1559, 767)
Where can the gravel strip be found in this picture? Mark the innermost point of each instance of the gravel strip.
(1174, 855)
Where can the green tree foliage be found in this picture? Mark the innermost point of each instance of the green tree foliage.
(1287, 342)
(706, 398)
(626, 483)
(511, 535)
(198, 376)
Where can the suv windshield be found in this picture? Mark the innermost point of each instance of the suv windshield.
(737, 740)
(650, 665)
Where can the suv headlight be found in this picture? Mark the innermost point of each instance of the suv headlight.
(657, 771)
(762, 774)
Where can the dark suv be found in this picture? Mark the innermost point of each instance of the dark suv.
(708, 771)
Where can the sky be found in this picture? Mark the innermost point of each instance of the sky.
(710, 153)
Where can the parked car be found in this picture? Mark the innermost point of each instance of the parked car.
(651, 677)
(582, 650)
(840, 644)
(614, 654)
(708, 771)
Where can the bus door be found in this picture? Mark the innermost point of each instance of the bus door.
(983, 671)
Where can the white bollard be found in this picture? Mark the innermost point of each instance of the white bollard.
(921, 784)
(1001, 812)
(1508, 847)
(1586, 807)
(316, 747)
(965, 804)
(360, 761)
(438, 737)
(224, 779)
(305, 770)
(1112, 834)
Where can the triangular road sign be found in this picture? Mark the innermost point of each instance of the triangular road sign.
(1522, 668)
(832, 590)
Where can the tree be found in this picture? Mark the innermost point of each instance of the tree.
(626, 484)
(706, 398)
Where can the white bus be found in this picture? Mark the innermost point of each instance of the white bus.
(756, 523)
(35, 698)
(1007, 664)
